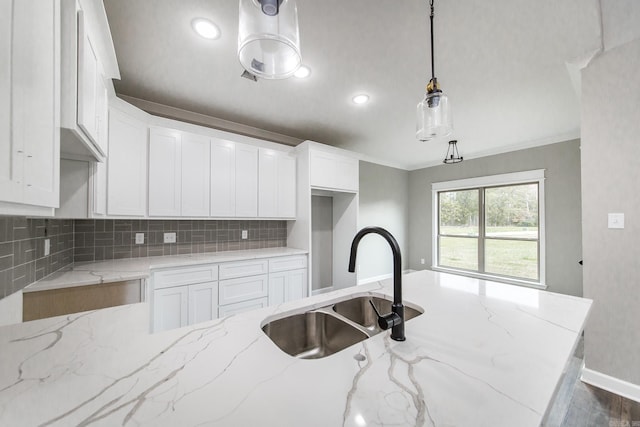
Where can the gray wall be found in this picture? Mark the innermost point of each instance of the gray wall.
(562, 200)
(384, 201)
(611, 183)
(322, 241)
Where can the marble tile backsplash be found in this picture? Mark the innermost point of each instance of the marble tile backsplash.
(97, 240)
(22, 259)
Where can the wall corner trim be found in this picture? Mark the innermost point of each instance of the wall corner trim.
(612, 384)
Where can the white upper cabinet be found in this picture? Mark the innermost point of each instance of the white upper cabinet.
(196, 178)
(333, 171)
(223, 178)
(127, 165)
(29, 103)
(87, 51)
(178, 173)
(276, 184)
(164, 172)
(246, 181)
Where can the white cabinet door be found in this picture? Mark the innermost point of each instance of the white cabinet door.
(203, 302)
(87, 82)
(10, 185)
(276, 184)
(195, 175)
(30, 151)
(246, 181)
(330, 170)
(241, 307)
(170, 308)
(268, 183)
(223, 178)
(164, 172)
(243, 289)
(277, 287)
(286, 186)
(297, 284)
(127, 166)
(287, 286)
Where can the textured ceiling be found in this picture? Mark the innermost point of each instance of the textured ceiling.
(503, 64)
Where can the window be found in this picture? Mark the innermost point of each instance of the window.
(491, 227)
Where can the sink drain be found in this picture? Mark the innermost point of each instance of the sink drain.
(360, 358)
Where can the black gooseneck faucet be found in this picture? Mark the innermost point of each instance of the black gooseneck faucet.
(395, 319)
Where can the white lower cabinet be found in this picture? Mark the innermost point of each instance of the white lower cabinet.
(203, 302)
(287, 286)
(287, 279)
(184, 296)
(170, 308)
(241, 307)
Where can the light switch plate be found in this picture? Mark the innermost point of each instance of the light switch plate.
(47, 247)
(616, 220)
(139, 238)
(169, 237)
(244, 234)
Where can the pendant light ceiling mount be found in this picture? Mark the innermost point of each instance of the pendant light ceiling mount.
(433, 112)
(268, 38)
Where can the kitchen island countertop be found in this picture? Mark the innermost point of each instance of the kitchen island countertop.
(482, 354)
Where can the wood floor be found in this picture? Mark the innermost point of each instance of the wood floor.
(581, 405)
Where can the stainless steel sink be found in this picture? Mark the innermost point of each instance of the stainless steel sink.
(312, 335)
(359, 310)
(324, 331)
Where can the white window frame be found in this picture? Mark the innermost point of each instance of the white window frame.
(532, 176)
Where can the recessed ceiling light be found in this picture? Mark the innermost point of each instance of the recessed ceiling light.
(205, 28)
(360, 99)
(303, 72)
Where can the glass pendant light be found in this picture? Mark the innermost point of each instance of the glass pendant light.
(434, 112)
(268, 39)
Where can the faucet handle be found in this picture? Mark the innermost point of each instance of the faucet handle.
(386, 321)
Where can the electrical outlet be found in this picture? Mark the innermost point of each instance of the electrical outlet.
(245, 234)
(47, 247)
(616, 220)
(422, 261)
(169, 237)
(139, 238)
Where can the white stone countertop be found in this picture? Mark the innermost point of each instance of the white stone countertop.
(482, 354)
(94, 273)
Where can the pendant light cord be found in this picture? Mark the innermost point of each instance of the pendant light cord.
(433, 74)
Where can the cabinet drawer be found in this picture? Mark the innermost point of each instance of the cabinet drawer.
(243, 289)
(287, 263)
(231, 270)
(241, 307)
(185, 276)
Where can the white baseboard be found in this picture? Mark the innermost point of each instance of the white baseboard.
(609, 383)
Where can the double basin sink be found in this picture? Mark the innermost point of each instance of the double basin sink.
(327, 330)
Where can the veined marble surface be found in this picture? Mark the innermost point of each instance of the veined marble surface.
(482, 354)
(94, 273)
